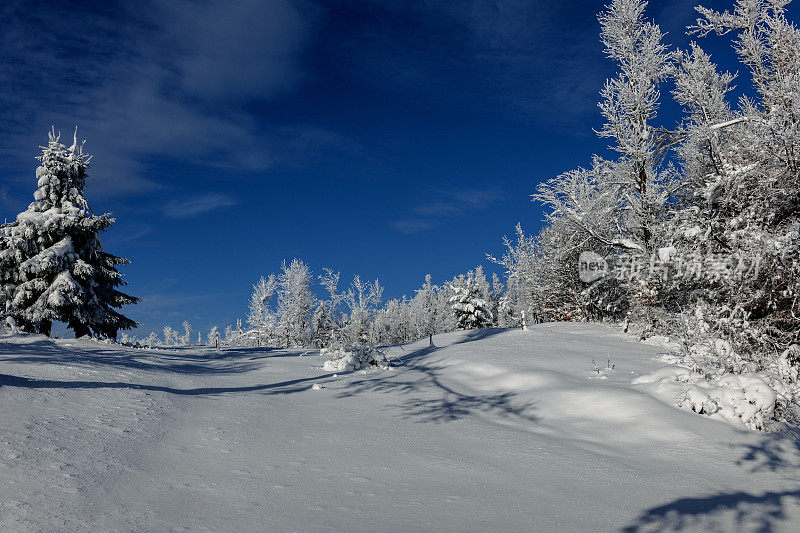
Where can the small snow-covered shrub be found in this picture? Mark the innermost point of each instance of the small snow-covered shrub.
(340, 360)
(748, 399)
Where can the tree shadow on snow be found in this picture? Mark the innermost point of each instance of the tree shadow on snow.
(740, 511)
(749, 512)
(174, 360)
(430, 400)
(775, 452)
(281, 387)
(473, 335)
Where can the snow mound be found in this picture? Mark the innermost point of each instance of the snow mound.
(746, 399)
(340, 360)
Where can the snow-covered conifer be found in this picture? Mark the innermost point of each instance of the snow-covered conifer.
(169, 336)
(52, 262)
(326, 320)
(471, 311)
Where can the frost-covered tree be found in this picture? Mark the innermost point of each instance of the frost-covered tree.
(524, 296)
(213, 337)
(362, 300)
(469, 308)
(741, 168)
(169, 336)
(425, 309)
(52, 263)
(186, 340)
(327, 322)
(296, 302)
(260, 317)
(390, 325)
(620, 202)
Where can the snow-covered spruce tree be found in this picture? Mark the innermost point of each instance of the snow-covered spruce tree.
(498, 289)
(52, 263)
(295, 304)
(387, 326)
(469, 308)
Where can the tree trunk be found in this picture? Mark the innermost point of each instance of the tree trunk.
(45, 326)
(80, 330)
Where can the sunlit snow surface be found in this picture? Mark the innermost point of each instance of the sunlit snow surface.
(491, 430)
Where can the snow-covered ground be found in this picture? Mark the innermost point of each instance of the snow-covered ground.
(494, 430)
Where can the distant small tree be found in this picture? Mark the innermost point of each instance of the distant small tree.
(187, 333)
(326, 321)
(260, 316)
(169, 335)
(213, 337)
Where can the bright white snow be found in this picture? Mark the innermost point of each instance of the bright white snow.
(492, 430)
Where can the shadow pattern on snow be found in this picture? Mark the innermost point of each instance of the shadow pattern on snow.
(281, 387)
(751, 512)
(418, 380)
(473, 335)
(760, 512)
(174, 360)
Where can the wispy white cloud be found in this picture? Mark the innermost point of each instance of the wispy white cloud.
(199, 205)
(409, 227)
(150, 81)
(450, 203)
(445, 204)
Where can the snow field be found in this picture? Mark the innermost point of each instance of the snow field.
(493, 429)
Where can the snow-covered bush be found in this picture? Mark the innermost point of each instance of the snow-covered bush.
(341, 360)
(749, 399)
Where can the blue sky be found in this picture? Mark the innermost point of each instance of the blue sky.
(387, 138)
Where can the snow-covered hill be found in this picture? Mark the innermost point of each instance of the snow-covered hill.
(493, 430)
